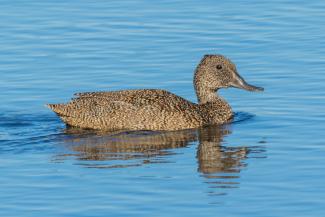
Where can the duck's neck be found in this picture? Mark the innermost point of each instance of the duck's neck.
(206, 95)
(203, 92)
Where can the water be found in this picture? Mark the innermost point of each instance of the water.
(269, 162)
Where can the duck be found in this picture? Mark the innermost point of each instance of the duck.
(157, 109)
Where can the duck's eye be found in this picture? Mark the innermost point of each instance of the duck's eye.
(219, 66)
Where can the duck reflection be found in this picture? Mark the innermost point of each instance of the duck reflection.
(217, 163)
(213, 157)
(123, 149)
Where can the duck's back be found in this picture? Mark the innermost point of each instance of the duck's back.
(149, 109)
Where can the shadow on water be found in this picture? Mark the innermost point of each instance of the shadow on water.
(218, 164)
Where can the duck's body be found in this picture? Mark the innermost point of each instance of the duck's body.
(151, 109)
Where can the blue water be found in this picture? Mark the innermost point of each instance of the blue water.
(269, 162)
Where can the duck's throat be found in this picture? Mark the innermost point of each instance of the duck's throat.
(206, 95)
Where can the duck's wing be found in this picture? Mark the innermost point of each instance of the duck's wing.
(98, 108)
(79, 107)
(125, 109)
(115, 100)
(94, 113)
(140, 98)
(120, 93)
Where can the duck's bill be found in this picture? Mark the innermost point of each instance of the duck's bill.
(239, 82)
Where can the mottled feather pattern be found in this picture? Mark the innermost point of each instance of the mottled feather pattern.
(155, 109)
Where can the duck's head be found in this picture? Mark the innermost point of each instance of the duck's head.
(215, 72)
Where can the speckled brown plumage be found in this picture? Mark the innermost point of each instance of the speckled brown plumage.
(153, 109)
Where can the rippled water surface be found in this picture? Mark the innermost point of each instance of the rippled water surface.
(269, 162)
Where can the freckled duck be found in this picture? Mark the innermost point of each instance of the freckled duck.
(154, 109)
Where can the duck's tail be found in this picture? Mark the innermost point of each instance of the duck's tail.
(62, 111)
(59, 109)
